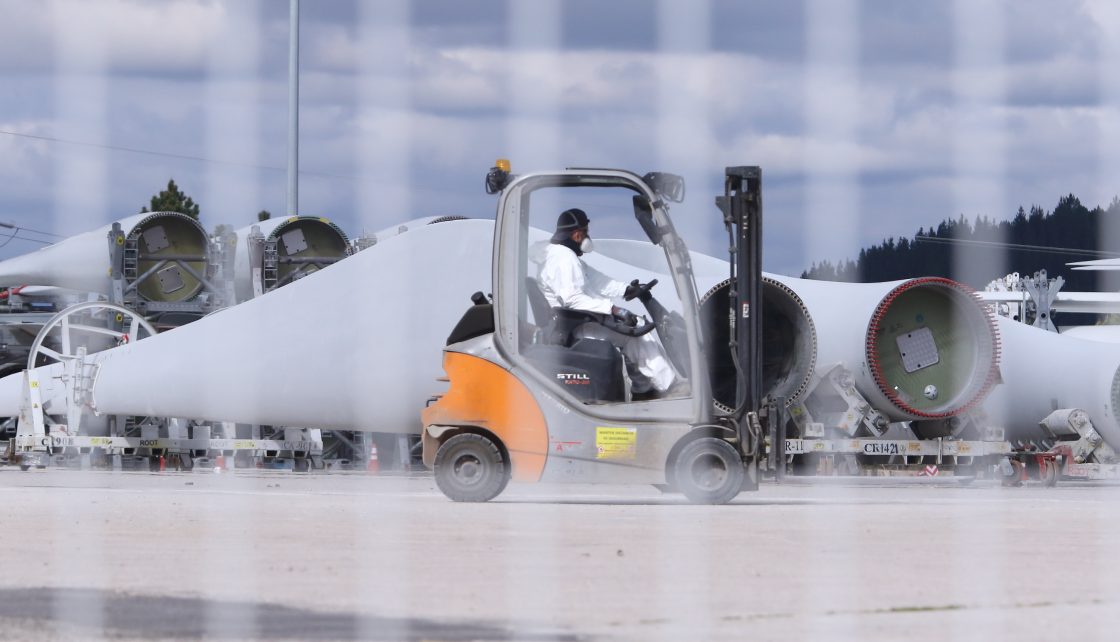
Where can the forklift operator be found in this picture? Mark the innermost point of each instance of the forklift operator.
(568, 282)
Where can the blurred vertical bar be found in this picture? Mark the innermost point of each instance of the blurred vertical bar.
(832, 152)
(536, 73)
(80, 200)
(979, 135)
(231, 196)
(232, 112)
(1106, 15)
(384, 118)
(979, 188)
(684, 146)
(1103, 580)
(686, 78)
(293, 108)
(833, 161)
(385, 121)
(81, 80)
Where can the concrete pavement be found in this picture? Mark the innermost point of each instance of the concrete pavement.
(277, 555)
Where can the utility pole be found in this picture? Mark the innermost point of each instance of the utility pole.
(293, 109)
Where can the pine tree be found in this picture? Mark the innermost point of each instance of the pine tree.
(263, 215)
(173, 199)
(1070, 225)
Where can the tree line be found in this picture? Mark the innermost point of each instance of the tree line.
(978, 251)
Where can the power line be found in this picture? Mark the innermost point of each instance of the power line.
(9, 239)
(17, 228)
(203, 159)
(148, 152)
(17, 237)
(1018, 246)
(14, 236)
(28, 229)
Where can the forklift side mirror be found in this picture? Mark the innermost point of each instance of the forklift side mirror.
(668, 186)
(643, 211)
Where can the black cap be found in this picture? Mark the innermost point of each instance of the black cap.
(568, 222)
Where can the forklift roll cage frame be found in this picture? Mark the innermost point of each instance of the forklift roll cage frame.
(511, 269)
(503, 416)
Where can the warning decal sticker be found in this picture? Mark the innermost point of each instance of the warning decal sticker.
(615, 443)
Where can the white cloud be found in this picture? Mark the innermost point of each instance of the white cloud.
(167, 36)
(1105, 14)
(453, 107)
(25, 162)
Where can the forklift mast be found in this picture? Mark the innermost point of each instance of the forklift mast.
(741, 205)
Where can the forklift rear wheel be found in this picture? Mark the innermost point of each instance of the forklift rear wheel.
(470, 468)
(709, 471)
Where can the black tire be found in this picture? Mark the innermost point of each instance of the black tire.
(709, 471)
(470, 468)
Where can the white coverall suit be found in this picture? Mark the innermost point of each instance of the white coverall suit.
(568, 282)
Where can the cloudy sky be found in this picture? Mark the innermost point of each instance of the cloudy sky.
(870, 119)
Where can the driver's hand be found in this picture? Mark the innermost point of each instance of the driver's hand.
(632, 290)
(625, 316)
(639, 290)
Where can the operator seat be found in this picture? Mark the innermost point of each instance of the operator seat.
(557, 325)
(542, 311)
(591, 369)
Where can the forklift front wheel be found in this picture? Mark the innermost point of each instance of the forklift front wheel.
(470, 468)
(709, 471)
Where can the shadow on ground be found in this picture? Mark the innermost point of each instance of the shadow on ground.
(62, 611)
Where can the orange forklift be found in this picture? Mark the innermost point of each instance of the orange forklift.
(533, 399)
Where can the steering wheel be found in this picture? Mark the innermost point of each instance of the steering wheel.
(612, 322)
(641, 292)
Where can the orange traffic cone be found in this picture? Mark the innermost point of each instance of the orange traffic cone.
(373, 466)
(219, 463)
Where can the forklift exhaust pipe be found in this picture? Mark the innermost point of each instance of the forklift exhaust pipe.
(81, 262)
